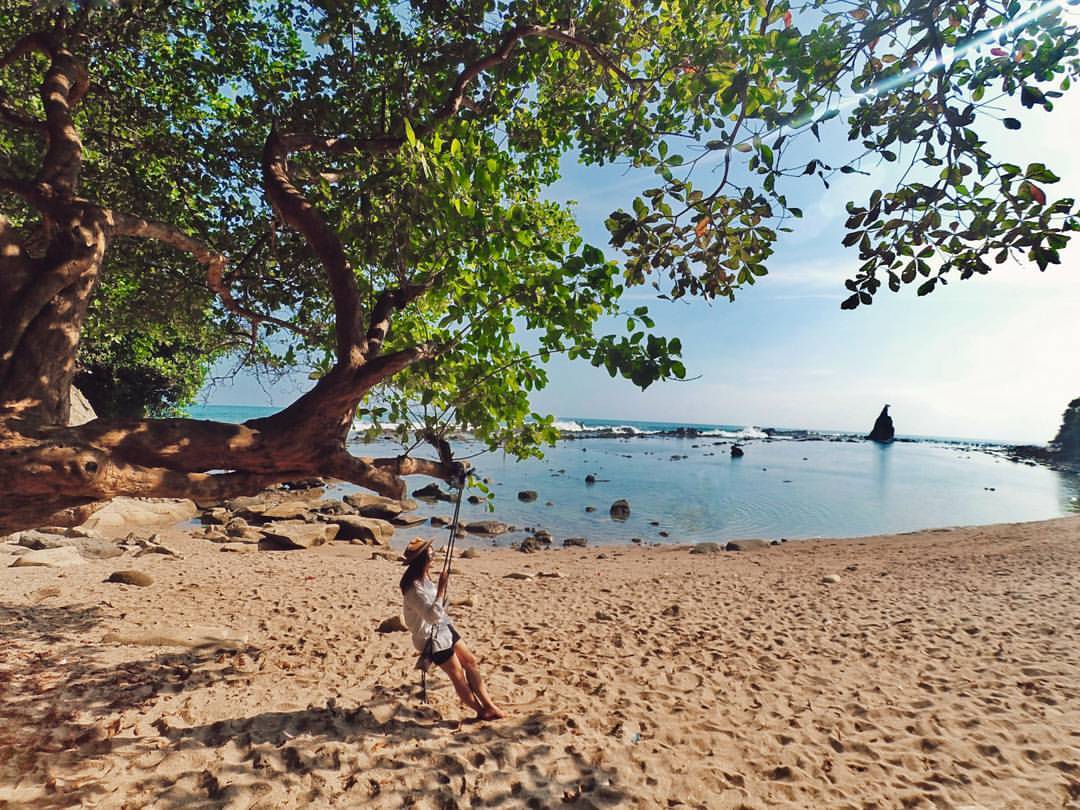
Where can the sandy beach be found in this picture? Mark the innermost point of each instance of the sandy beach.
(935, 669)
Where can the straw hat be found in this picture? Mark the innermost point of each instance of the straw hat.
(415, 548)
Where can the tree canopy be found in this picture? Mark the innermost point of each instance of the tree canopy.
(358, 188)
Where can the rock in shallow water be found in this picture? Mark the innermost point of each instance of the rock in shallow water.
(883, 431)
(486, 527)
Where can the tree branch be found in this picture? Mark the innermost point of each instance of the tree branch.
(455, 99)
(384, 475)
(388, 302)
(66, 82)
(19, 119)
(300, 215)
(37, 42)
(122, 224)
(380, 368)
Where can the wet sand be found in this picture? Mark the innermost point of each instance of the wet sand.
(940, 669)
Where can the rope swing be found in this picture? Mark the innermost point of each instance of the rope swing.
(458, 480)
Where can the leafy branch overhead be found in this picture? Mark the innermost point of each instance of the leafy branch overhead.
(360, 189)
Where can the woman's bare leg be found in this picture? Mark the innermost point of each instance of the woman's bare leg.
(476, 683)
(452, 667)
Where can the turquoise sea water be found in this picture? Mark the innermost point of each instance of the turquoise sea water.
(782, 487)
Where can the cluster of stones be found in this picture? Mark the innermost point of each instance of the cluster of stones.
(299, 517)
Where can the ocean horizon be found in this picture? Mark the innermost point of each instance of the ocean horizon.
(683, 485)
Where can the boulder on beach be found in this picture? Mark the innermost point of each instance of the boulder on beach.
(394, 624)
(529, 545)
(590, 478)
(123, 514)
(408, 520)
(747, 545)
(527, 495)
(217, 516)
(706, 548)
(81, 410)
(63, 557)
(333, 506)
(288, 510)
(581, 542)
(376, 506)
(620, 510)
(883, 431)
(736, 451)
(364, 529)
(286, 535)
(131, 577)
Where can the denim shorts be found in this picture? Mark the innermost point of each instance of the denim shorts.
(442, 656)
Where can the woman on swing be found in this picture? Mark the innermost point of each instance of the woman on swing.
(433, 635)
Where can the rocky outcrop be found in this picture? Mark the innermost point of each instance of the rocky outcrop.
(1066, 445)
(1063, 453)
(883, 431)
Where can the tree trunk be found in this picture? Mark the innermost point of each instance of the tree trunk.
(52, 473)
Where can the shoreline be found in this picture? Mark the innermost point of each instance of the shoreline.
(934, 668)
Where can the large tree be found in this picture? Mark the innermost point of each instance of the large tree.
(358, 188)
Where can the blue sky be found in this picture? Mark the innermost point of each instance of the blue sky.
(993, 357)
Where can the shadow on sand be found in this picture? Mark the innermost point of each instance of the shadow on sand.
(63, 724)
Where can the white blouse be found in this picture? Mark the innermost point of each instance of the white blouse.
(422, 612)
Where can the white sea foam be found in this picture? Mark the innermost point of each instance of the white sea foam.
(567, 426)
(743, 433)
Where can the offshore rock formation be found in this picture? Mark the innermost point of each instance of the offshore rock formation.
(883, 428)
